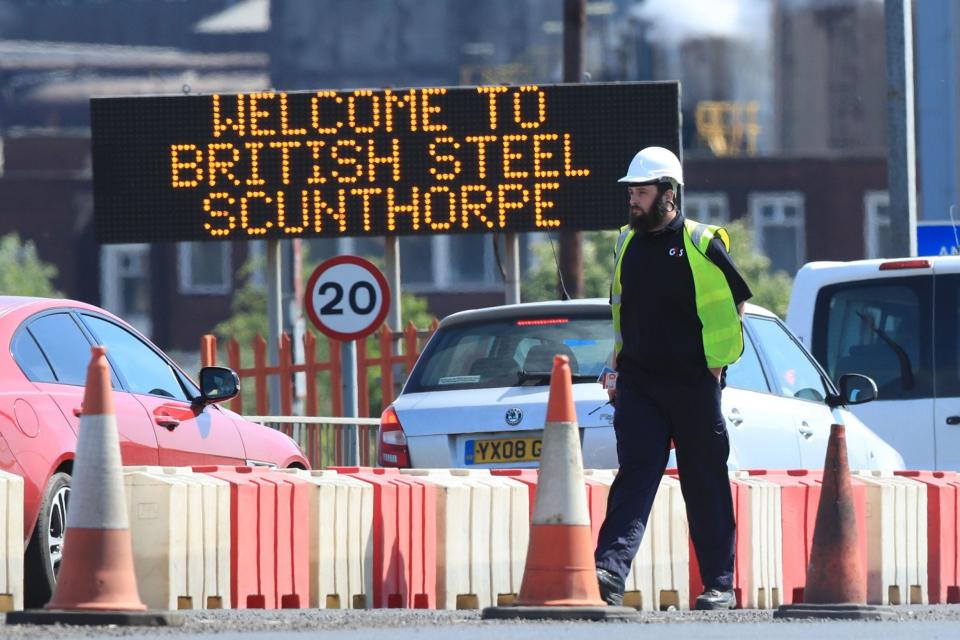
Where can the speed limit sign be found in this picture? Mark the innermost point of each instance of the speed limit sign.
(347, 298)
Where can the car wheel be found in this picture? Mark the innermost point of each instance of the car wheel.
(45, 549)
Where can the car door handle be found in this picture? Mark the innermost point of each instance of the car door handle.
(167, 421)
(953, 420)
(805, 430)
(734, 417)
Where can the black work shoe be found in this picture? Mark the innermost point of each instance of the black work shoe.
(611, 588)
(715, 600)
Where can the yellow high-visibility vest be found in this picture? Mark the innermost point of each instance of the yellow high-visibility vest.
(722, 330)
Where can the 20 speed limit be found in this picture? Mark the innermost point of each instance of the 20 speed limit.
(347, 298)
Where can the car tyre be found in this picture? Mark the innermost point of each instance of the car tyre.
(44, 551)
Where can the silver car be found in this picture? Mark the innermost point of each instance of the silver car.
(477, 396)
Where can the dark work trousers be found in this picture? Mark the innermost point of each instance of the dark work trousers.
(649, 413)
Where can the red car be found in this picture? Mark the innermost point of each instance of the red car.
(163, 417)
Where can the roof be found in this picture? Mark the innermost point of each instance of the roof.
(9, 304)
(33, 55)
(83, 88)
(249, 16)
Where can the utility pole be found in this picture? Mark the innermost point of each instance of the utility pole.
(901, 143)
(571, 242)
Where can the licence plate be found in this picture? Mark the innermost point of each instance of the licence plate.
(502, 450)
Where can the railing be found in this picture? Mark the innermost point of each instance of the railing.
(375, 355)
(329, 441)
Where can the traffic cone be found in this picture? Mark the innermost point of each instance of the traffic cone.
(836, 586)
(560, 578)
(96, 583)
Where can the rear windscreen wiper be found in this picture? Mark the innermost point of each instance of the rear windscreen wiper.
(544, 376)
(527, 376)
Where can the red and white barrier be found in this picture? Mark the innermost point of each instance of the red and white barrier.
(455, 538)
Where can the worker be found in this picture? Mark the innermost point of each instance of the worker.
(677, 302)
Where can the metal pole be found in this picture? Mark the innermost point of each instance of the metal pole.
(901, 157)
(350, 446)
(298, 325)
(391, 260)
(571, 242)
(512, 268)
(392, 272)
(274, 320)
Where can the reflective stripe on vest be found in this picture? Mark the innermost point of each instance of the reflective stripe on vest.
(722, 333)
(626, 233)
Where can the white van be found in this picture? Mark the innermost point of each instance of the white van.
(897, 321)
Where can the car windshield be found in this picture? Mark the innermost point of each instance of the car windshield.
(515, 352)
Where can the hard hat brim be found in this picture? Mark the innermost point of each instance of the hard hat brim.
(641, 181)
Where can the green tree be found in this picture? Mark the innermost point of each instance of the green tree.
(22, 273)
(414, 309)
(540, 283)
(770, 289)
(248, 316)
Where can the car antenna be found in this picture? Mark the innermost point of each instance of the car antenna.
(563, 287)
(956, 240)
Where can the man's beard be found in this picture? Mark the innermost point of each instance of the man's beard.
(646, 221)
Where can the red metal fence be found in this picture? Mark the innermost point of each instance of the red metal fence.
(368, 358)
(375, 357)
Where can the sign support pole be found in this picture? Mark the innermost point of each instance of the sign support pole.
(394, 317)
(274, 319)
(902, 153)
(392, 268)
(512, 268)
(350, 446)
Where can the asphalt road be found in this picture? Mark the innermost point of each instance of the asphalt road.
(939, 622)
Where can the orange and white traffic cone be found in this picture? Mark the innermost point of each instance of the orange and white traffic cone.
(560, 579)
(836, 586)
(96, 583)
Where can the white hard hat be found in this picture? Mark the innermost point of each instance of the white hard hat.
(654, 164)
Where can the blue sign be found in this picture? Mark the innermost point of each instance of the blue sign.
(937, 239)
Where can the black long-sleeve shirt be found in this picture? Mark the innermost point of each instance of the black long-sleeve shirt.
(662, 333)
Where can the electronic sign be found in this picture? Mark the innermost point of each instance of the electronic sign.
(372, 163)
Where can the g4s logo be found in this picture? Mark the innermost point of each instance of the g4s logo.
(676, 252)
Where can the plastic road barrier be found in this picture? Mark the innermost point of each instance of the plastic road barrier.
(11, 542)
(482, 536)
(180, 526)
(943, 533)
(662, 566)
(799, 499)
(659, 575)
(270, 556)
(758, 569)
(404, 538)
(341, 539)
(896, 538)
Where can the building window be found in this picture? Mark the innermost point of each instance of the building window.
(437, 263)
(125, 283)
(204, 267)
(471, 259)
(877, 237)
(778, 227)
(417, 260)
(709, 208)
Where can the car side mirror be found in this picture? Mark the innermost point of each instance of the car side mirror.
(218, 384)
(856, 388)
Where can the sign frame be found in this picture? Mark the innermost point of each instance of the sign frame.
(384, 292)
(329, 163)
